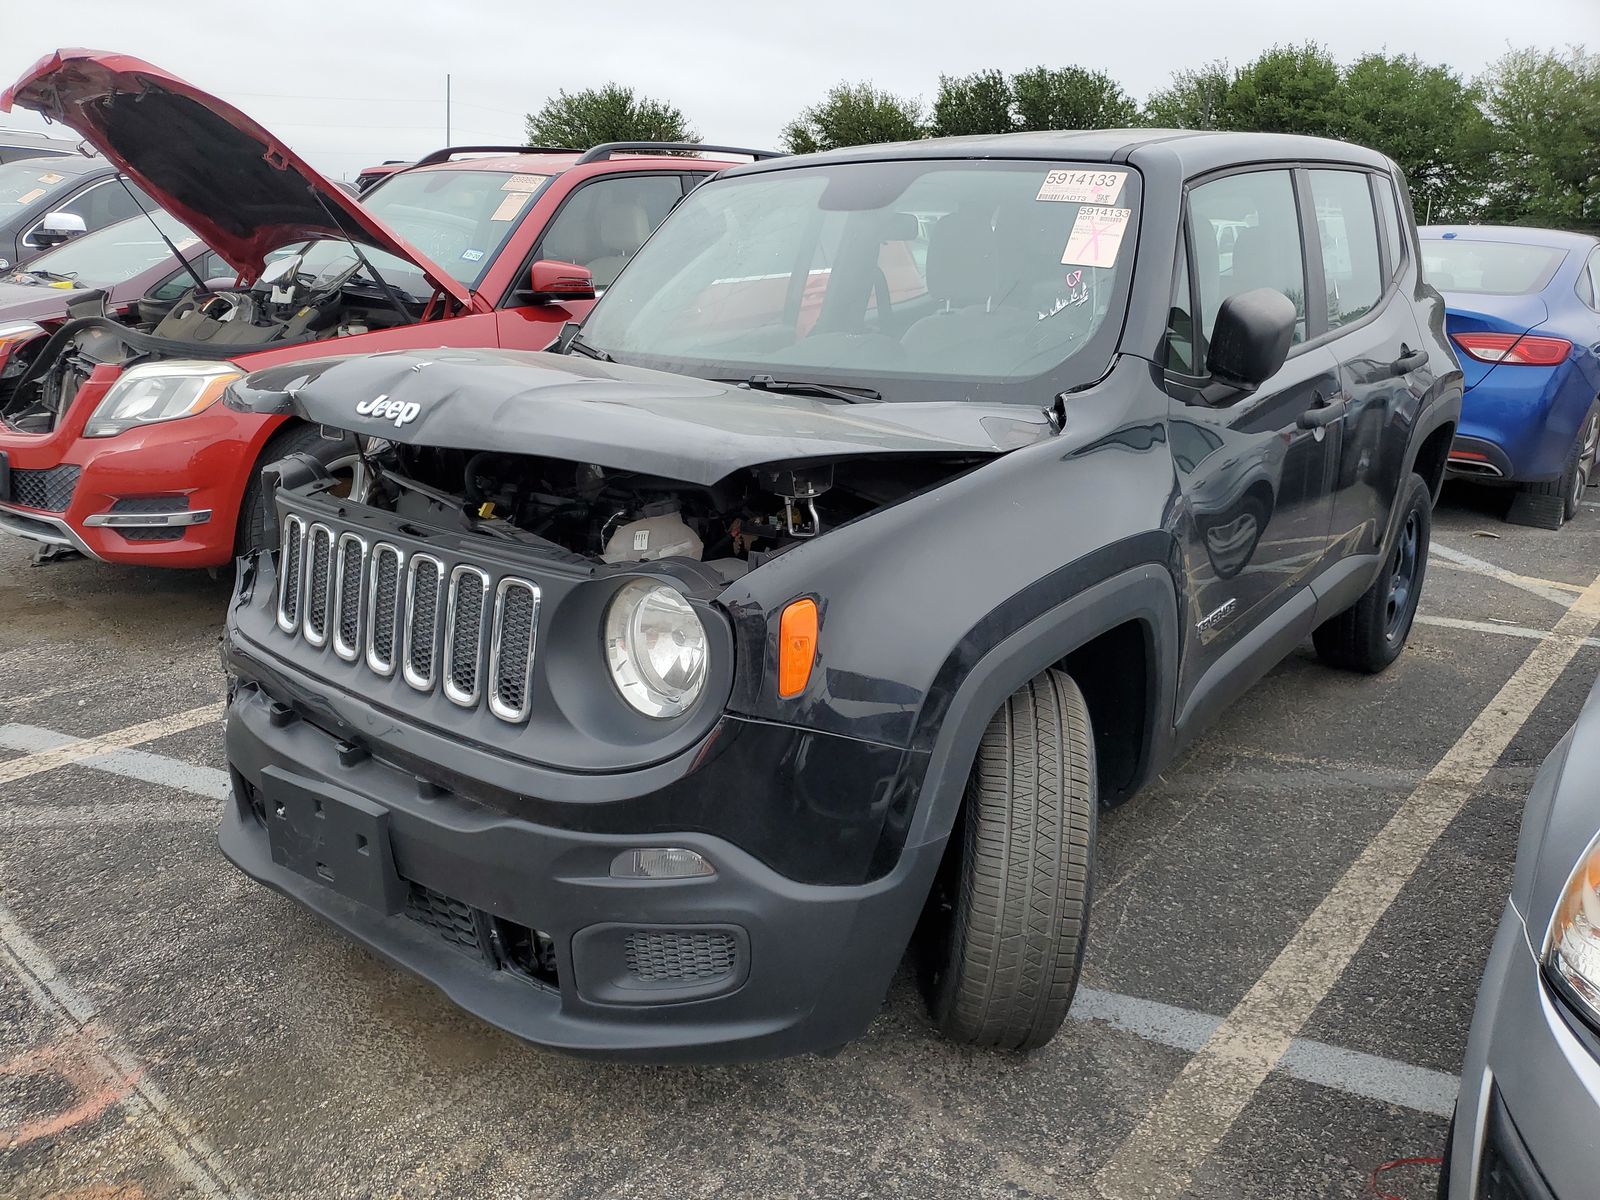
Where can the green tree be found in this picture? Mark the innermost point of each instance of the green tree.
(1196, 100)
(612, 113)
(1288, 89)
(854, 115)
(1426, 119)
(976, 103)
(1071, 98)
(1545, 160)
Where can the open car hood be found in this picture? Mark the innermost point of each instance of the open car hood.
(626, 418)
(236, 185)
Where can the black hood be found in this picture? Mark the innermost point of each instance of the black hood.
(626, 418)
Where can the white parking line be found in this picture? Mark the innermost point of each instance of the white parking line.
(1518, 631)
(78, 750)
(192, 1157)
(1367, 1075)
(1547, 589)
(1158, 1159)
(132, 764)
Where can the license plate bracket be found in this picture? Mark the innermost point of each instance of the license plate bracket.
(332, 837)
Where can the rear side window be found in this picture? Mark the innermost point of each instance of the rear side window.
(1246, 234)
(1489, 268)
(1589, 281)
(1348, 230)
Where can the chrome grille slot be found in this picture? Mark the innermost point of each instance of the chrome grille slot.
(511, 647)
(463, 644)
(424, 585)
(319, 583)
(383, 607)
(289, 573)
(352, 559)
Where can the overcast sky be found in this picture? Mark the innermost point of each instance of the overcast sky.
(352, 82)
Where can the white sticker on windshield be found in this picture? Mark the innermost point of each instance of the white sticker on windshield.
(510, 206)
(472, 255)
(51, 177)
(30, 197)
(1082, 187)
(1096, 236)
(523, 183)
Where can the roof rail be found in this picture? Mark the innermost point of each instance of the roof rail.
(449, 152)
(605, 150)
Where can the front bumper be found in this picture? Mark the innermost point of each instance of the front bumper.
(777, 967)
(167, 495)
(1530, 1087)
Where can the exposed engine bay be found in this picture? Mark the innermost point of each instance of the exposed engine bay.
(284, 307)
(614, 516)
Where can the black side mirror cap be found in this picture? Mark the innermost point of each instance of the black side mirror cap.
(1251, 338)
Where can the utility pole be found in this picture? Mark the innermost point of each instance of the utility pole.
(447, 108)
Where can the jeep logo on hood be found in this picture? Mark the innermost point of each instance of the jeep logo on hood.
(401, 412)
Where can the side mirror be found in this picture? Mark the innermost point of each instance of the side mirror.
(550, 282)
(1250, 339)
(59, 227)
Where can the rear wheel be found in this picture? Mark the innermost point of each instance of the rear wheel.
(337, 455)
(1370, 634)
(1012, 913)
(1550, 505)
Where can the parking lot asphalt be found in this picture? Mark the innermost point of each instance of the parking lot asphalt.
(1287, 937)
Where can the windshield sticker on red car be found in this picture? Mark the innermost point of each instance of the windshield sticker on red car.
(510, 206)
(523, 183)
(472, 255)
(30, 197)
(1096, 236)
(1082, 187)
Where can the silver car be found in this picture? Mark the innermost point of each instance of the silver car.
(1530, 1087)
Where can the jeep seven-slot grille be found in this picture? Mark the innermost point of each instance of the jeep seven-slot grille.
(454, 628)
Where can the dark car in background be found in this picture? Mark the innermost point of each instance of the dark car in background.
(894, 509)
(1523, 310)
(47, 201)
(26, 143)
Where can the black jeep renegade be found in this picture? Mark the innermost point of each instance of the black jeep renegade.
(893, 511)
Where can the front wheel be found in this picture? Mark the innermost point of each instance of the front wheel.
(1013, 904)
(1370, 634)
(337, 454)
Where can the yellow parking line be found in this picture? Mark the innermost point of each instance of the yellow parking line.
(119, 739)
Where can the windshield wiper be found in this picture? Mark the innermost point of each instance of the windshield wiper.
(577, 345)
(52, 276)
(801, 387)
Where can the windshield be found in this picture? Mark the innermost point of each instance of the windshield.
(1489, 268)
(26, 180)
(957, 272)
(116, 253)
(459, 219)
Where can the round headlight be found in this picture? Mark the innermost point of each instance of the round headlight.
(656, 647)
(1572, 946)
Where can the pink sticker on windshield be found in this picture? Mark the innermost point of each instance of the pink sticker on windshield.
(1096, 237)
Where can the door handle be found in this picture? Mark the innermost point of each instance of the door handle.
(1408, 361)
(1325, 413)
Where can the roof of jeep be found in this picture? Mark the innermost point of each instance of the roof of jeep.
(1190, 150)
(554, 163)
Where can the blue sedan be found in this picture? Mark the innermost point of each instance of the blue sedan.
(1523, 311)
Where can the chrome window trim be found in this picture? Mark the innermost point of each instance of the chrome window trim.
(454, 694)
(307, 561)
(422, 683)
(348, 652)
(295, 528)
(497, 706)
(375, 663)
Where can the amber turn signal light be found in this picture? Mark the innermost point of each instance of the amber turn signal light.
(797, 646)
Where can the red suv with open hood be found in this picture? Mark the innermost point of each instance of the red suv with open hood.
(112, 442)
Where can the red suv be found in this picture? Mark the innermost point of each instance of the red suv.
(112, 442)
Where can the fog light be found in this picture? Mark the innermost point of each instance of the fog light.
(660, 862)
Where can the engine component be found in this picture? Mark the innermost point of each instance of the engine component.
(664, 535)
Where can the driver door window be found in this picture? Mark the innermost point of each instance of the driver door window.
(603, 223)
(1246, 234)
